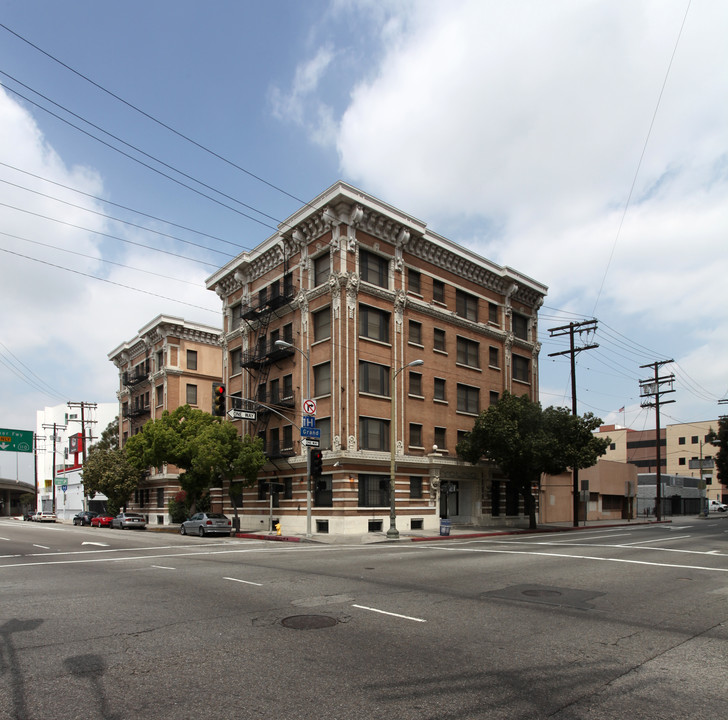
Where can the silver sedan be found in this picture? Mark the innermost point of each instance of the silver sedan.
(206, 524)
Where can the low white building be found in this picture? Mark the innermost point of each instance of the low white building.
(64, 433)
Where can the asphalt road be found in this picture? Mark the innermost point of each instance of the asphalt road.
(628, 622)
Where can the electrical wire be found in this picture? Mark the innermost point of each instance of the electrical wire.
(110, 282)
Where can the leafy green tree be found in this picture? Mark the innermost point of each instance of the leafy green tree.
(720, 440)
(108, 471)
(206, 449)
(27, 501)
(109, 439)
(524, 441)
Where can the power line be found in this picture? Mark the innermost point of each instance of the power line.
(137, 160)
(154, 119)
(110, 282)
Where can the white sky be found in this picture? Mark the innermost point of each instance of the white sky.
(515, 128)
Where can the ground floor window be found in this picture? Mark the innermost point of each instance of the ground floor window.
(373, 490)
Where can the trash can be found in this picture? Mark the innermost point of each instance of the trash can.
(444, 526)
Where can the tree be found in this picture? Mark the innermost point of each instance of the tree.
(109, 439)
(207, 449)
(524, 441)
(720, 440)
(108, 471)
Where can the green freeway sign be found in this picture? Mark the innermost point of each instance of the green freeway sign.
(16, 440)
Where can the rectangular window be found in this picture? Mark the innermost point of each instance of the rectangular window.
(493, 360)
(322, 324)
(466, 305)
(287, 438)
(160, 359)
(413, 281)
(287, 388)
(373, 323)
(468, 399)
(493, 313)
(681, 441)
(520, 326)
(373, 378)
(438, 291)
(415, 487)
(438, 340)
(192, 359)
(493, 397)
(468, 352)
(160, 497)
(681, 461)
(415, 384)
(439, 390)
(373, 268)
(191, 395)
(322, 379)
(373, 434)
(415, 332)
(236, 400)
(415, 435)
(160, 395)
(441, 438)
(236, 361)
(321, 269)
(324, 425)
(373, 490)
(520, 368)
(275, 391)
(694, 439)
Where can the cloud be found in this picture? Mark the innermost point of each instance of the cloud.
(65, 306)
(552, 138)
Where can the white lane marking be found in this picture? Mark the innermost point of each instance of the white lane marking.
(578, 557)
(384, 612)
(247, 582)
(95, 543)
(644, 542)
(581, 537)
(43, 547)
(631, 546)
(163, 567)
(2, 538)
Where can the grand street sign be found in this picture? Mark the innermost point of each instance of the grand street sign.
(16, 440)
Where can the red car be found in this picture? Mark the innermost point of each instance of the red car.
(102, 520)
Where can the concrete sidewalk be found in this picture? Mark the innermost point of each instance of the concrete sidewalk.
(456, 533)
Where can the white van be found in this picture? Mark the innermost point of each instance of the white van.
(715, 506)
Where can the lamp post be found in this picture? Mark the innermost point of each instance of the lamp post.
(393, 533)
(285, 344)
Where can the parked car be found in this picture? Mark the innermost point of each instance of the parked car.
(30, 515)
(129, 520)
(84, 517)
(102, 520)
(45, 516)
(715, 506)
(206, 524)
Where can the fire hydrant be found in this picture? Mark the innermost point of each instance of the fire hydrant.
(278, 528)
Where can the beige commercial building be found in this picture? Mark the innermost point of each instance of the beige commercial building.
(170, 362)
(398, 338)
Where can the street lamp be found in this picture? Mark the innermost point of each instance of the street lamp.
(393, 533)
(286, 345)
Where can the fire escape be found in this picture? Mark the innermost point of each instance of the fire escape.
(272, 302)
(138, 403)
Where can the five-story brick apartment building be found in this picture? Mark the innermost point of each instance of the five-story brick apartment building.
(170, 362)
(394, 332)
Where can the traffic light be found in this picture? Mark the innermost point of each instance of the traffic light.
(218, 400)
(317, 463)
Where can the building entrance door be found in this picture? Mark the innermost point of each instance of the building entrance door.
(449, 499)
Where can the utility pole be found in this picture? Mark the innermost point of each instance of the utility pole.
(651, 388)
(586, 326)
(56, 427)
(83, 406)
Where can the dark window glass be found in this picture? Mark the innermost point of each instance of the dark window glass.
(373, 268)
(466, 305)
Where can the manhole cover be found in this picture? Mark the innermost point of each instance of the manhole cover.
(308, 622)
(542, 593)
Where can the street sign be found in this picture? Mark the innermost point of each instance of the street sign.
(16, 440)
(310, 442)
(309, 407)
(307, 432)
(242, 415)
(64, 488)
(308, 421)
